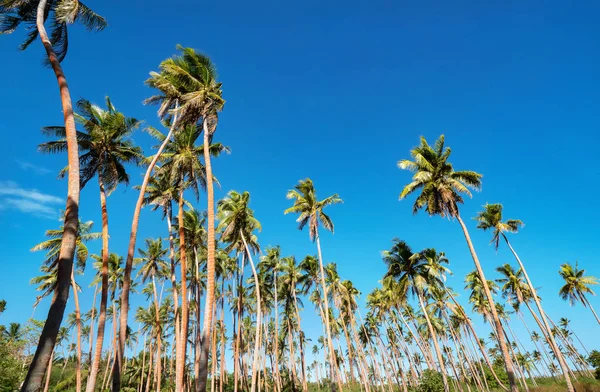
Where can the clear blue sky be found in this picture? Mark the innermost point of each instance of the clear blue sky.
(339, 92)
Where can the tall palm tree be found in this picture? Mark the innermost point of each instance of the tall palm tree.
(189, 93)
(491, 219)
(34, 14)
(577, 285)
(441, 189)
(310, 211)
(105, 149)
(154, 266)
(415, 273)
(237, 224)
(52, 247)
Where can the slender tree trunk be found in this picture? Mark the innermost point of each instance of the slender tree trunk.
(326, 304)
(49, 372)
(255, 360)
(197, 329)
(143, 364)
(554, 346)
(176, 312)
(158, 370)
(126, 287)
(210, 260)
(435, 344)
(91, 337)
(45, 347)
(222, 368)
(78, 322)
(181, 353)
(91, 382)
(276, 368)
(502, 343)
(149, 377)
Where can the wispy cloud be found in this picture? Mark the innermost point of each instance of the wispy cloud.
(28, 166)
(29, 201)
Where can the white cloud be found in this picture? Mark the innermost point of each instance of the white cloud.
(28, 166)
(29, 201)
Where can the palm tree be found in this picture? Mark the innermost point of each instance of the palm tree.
(577, 286)
(415, 273)
(105, 148)
(237, 224)
(188, 92)
(491, 219)
(310, 211)
(153, 266)
(35, 13)
(48, 282)
(441, 189)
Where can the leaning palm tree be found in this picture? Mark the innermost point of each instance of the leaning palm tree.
(310, 211)
(491, 219)
(34, 14)
(441, 189)
(416, 273)
(237, 224)
(577, 285)
(154, 266)
(48, 282)
(105, 148)
(188, 92)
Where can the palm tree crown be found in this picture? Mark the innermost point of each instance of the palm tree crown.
(441, 187)
(491, 218)
(576, 284)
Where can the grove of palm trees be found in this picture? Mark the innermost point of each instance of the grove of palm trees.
(173, 287)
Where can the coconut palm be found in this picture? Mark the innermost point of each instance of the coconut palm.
(237, 225)
(577, 286)
(189, 93)
(48, 282)
(310, 211)
(441, 189)
(491, 219)
(153, 266)
(414, 273)
(105, 149)
(34, 14)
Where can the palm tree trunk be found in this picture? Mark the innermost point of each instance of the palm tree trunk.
(197, 329)
(78, 322)
(210, 260)
(126, 287)
(176, 312)
(91, 382)
(49, 372)
(143, 364)
(91, 337)
(435, 344)
(502, 343)
(326, 304)
(43, 352)
(222, 366)
(158, 370)
(276, 367)
(181, 352)
(255, 360)
(554, 346)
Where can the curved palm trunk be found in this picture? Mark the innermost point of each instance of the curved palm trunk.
(91, 382)
(173, 283)
(502, 343)
(45, 347)
(78, 322)
(276, 367)
(210, 261)
(255, 360)
(554, 346)
(92, 318)
(327, 323)
(435, 344)
(126, 287)
(181, 352)
(49, 372)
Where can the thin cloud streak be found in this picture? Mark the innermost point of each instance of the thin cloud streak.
(28, 201)
(28, 166)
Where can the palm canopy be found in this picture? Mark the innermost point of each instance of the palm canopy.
(105, 146)
(152, 259)
(61, 13)
(512, 284)
(181, 158)
(236, 219)
(576, 284)
(477, 295)
(491, 218)
(309, 208)
(414, 272)
(441, 187)
(187, 83)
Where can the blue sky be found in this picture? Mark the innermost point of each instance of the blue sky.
(338, 92)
